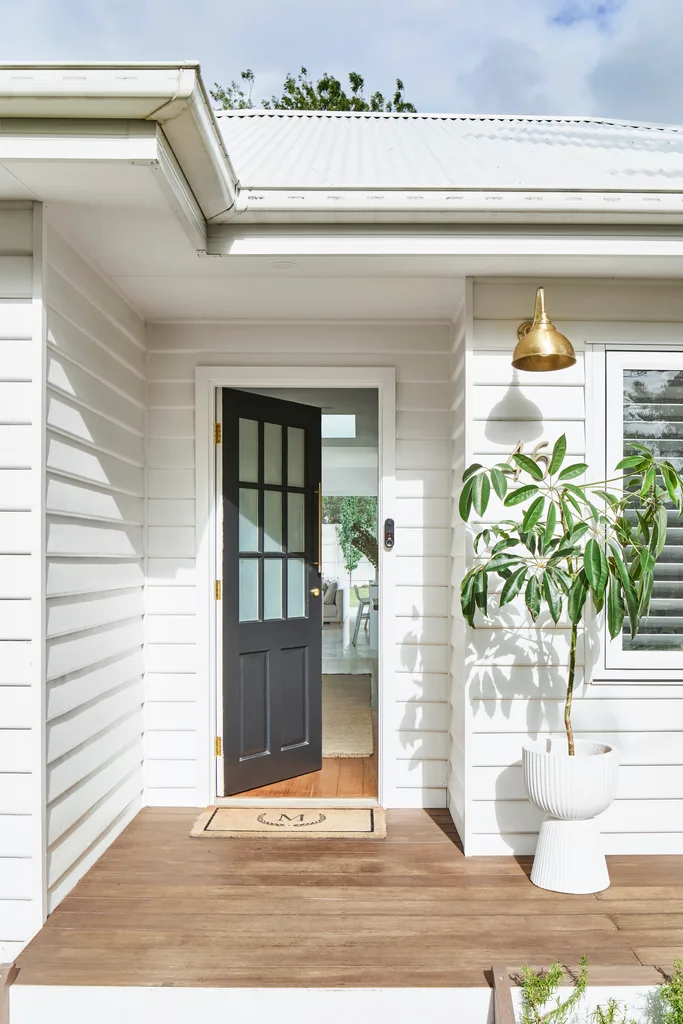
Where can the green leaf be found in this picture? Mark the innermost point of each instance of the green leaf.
(670, 481)
(481, 491)
(470, 471)
(608, 497)
(499, 481)
(576, 469)
(561, 577)
(553, 596)
(529, 466)
(578, 532)
(616, 610)
(577, 598)
(647, 560)
(465, 504)
(467, 598)
(533, 514)
(532, 597)
(481, 591)
(513, 585)
(595, 564)
(559, 452)
(550, 523)
(566, 515)
(645, 595)
(662, 522)
(502, 545)
(630, 462)
(632, 602)
(502, 561)
(521, 494)
(648, 481)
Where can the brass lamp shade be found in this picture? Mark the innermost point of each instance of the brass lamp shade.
(540, 346)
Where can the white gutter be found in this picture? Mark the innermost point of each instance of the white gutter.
(172, 95)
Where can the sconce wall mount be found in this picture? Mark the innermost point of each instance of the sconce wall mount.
(541, 347)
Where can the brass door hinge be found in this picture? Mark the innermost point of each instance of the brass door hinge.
(219, 746)
(218, 590)
(217, 433)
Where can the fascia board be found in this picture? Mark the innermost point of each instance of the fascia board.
(170, 95)
(479, 204)
(231, 240)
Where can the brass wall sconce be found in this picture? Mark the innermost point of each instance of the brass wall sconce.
(541, 347)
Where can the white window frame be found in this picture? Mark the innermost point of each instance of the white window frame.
(604, 428)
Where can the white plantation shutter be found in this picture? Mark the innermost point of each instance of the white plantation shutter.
(645, 404)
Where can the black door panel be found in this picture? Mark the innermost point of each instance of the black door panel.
(272, 622)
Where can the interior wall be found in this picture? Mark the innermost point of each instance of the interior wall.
(515, 673)
(418, 695)
(20, 574)
(95, 406)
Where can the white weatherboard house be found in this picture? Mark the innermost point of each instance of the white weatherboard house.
(166, 269)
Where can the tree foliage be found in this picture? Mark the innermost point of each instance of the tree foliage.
(574, 541)
(301, 92)
(356, 513)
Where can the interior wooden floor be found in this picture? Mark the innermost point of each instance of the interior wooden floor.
(343, 777)
(160, 908)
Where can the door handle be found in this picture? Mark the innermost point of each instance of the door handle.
(316, 592)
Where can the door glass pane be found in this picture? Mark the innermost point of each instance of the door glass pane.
(248, 589)
(272, 520)
(248, 529)
(295, 522)
(653, 417)
(296, 588)
(295, 457)
(248, 433)
(272, 588)
(272, 453)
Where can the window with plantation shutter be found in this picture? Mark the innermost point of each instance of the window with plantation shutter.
(645, 405)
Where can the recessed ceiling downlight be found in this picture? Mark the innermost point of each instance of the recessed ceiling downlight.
(284, 265)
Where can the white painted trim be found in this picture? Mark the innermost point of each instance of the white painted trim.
(473, 240)
(179, 195)
(38, 569)
(112, 1004)
(207, 380)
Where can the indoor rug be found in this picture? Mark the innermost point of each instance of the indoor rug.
(347, 717)
(291, 823)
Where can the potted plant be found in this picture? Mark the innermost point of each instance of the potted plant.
(572, 542)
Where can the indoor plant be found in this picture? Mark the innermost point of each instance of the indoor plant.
(574, 541)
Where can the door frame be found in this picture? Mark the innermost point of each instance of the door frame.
(208, 380)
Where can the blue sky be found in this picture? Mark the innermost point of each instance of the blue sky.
(614, 58)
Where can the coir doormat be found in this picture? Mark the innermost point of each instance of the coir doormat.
(291, 823)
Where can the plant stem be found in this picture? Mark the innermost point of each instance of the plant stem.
(570, 692)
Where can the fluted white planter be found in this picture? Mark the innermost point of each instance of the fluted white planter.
(572, 791)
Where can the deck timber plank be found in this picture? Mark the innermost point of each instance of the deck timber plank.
(160, 908)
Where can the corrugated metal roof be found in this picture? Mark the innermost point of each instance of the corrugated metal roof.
(312, 150)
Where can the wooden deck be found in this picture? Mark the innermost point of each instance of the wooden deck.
(161, 909)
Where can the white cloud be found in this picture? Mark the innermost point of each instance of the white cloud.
(592, 57)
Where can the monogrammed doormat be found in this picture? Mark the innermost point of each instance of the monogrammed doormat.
(291, 823)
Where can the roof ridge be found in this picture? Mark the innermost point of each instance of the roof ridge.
(512, 118)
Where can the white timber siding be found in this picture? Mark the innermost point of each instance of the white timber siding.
(515, 673)
(95, 490)
(417, 698)
(21, 340)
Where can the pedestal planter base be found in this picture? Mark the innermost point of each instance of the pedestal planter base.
(571, 791)
(569, 857)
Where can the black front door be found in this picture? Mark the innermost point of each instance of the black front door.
(272, 607)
